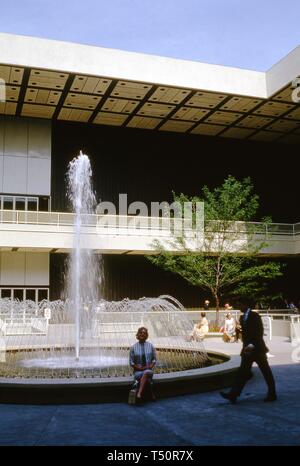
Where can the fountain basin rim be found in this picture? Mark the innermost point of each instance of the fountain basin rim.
(228, 364)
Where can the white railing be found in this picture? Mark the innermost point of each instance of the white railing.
(23, 326)
(295, 329)
(120, 222)
(118, 323)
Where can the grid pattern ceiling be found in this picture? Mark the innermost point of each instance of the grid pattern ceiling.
(107, 101)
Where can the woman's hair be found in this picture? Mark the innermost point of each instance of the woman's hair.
(139, 331)
(203, 314)
(228, 315)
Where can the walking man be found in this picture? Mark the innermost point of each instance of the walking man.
(254, 350)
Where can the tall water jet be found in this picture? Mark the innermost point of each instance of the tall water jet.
(83, 270)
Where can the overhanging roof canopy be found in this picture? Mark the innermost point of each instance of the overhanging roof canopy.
(66, 81)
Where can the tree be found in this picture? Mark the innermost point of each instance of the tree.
(227, 262)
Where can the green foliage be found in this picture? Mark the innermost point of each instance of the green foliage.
(223, 273)
(232, 201)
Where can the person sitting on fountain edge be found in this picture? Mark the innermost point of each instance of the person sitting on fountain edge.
(142, 359)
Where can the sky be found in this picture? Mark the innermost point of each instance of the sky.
(252, 34)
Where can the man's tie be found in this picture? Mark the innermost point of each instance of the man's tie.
(246, 316)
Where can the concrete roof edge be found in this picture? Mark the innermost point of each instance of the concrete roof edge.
(283, 72)
(19, 50)
(75, 58)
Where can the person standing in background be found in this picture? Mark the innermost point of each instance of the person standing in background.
(206, 305)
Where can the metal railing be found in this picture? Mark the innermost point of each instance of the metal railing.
(127, 222)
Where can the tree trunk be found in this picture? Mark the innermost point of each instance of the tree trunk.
(217, 289)
(217, 309)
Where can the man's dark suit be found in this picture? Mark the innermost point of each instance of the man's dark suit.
(252, 334)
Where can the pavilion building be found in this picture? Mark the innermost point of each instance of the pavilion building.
(150, 125)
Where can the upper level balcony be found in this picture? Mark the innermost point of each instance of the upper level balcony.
(118, 234)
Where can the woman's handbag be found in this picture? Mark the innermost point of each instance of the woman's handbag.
(132, 396)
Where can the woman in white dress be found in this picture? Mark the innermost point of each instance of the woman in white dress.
(229, 328)
(200, 329)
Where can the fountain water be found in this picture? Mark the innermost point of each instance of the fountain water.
(83, 270)
(40, 348)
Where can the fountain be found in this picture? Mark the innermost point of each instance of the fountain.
(85, 339)
(83, 270)
(39, 347)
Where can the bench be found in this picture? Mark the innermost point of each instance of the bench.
(101, 328)
(24, 326)
(213, 334)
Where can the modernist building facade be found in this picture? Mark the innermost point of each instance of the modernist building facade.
(150, 125)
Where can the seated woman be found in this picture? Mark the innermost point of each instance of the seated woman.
(229, 329)
(142, 358)
(200, 329)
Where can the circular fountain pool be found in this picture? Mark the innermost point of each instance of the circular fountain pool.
(93, 363)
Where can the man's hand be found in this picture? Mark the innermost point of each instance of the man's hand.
(248, 349)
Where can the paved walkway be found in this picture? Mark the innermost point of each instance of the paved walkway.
(201, 419)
